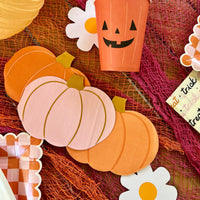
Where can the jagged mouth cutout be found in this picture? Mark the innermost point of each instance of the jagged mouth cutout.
(115, 44)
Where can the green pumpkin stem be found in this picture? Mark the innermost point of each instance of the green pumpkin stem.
(119, 104)
(76, 81)
(65, 59)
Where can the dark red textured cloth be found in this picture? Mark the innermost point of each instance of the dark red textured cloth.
(156, 84)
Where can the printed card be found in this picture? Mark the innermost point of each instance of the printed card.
(186, 100)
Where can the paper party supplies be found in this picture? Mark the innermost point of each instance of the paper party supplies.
(33, 62)
(121, 29)
(66, 113)
(15, 15)
(191, 57)
(132, 145)
(185, 100)
(84, 27)
(20, 162)
(148, 185)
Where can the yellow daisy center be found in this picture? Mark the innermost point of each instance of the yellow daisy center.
(148, 191)
(91, 25)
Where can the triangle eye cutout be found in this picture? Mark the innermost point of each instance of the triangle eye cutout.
(105, 27)
(133, 27)
(117, 31)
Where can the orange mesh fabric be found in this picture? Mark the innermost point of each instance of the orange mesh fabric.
(70, 181)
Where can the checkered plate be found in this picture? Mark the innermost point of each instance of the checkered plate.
(19, 160)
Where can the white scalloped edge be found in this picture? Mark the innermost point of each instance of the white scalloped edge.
(38, 159)
(190, 43)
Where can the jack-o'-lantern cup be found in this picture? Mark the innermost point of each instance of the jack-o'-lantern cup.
(121, 28)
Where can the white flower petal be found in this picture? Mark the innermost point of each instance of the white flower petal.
(73, 30)
(129, 195)
(96, 41)
(76, 14)
(94, 38)
(167, 192)
(129, 181)
(135, 180)
(161, 176)
(85, 43)
(90, 8)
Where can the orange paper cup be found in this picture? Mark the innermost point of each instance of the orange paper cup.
(121, 28)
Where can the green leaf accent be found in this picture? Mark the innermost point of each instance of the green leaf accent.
(76, 81)
(119, 104)
(65, 59)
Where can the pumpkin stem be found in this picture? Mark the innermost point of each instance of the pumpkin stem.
(76, 81)
(119, 104)
(65, 59)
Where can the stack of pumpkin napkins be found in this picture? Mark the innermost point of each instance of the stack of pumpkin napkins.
(57, 103)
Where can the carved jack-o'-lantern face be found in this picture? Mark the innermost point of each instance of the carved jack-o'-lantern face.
(122, 44)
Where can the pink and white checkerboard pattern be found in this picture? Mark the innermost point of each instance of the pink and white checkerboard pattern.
(19, 160)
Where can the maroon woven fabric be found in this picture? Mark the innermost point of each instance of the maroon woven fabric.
(161, 72)
(155, 83)
(81, 3)
(4, 130)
